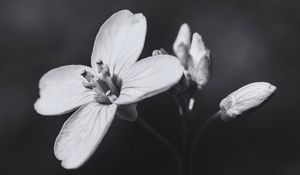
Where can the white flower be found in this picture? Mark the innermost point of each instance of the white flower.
(193, 56)
(246, 98)
(111, 86)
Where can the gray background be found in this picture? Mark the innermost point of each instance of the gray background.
(249, 41)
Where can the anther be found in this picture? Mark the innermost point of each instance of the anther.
(100, 66)
(105, 71)
(87, 75)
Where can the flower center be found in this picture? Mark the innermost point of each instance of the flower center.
(102, 83)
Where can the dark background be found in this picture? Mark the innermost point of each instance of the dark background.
(249, 41)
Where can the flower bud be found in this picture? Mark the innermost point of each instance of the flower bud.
(193, 55)
(195, 59)
(183, 38)
(199, 65)
(246, 98)
(182, 44)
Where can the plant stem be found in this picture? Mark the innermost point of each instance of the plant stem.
(184, 112)
(165, 141)
(196, 138)
(185, 132)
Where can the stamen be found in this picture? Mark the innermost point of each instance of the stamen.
(100, 65)
(87, 75)
(106, 77)
(110, 96)
(105, 71)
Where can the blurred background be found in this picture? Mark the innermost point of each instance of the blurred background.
(250, 41)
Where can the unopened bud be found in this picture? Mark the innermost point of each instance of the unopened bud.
(183, 37)
(199, 66)
(246, 98)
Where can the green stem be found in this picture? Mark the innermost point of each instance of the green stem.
(196, 138)
(165, 141)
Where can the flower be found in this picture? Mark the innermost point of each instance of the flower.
(194, 56)
(246, 98)
(110, 87)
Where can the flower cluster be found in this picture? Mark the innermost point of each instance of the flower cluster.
(193, 55)
(116, 81)
(195, 58)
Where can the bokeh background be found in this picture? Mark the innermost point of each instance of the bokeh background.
(250, 41)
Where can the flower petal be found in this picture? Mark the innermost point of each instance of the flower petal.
(120, 41)
(149, 77)
(183, 37)
(127, 112)
(82, 133)
(61, 90)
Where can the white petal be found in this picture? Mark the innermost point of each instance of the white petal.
(183, 37)
(120, 41)
(82, 133)
(127, 112)
(149, 77)
(198, 49)
(61, 90)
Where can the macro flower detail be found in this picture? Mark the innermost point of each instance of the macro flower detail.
(110, 88)
(193, 55)
(246, 98)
